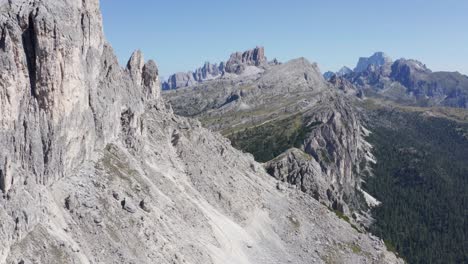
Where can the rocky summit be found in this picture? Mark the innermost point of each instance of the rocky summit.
(240, 60)
(376, 60)
(183, 79)
(239, 64)
(409, 82)
(95, 168)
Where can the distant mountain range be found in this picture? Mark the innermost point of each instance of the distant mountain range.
(343, 71)
(406, 81)
(239, 63)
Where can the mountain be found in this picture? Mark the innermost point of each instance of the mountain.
(328, 74)
(342, 72)
(250, 60)
(409, 82)
(182, 79)
(289, 107)
(377, 59)
(96, 169)
(239, 61)
(386, 165)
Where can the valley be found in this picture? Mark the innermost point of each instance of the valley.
(407, 162)
(247, 160)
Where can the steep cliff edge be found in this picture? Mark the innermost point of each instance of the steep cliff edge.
(63, 91)
(95, 169)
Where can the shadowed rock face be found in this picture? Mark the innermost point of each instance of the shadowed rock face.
(95, 169)
(378, 59)
(408, 72)
(409, 82)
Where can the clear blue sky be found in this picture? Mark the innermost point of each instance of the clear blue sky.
(182, 34)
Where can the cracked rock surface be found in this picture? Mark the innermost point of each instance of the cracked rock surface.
(95, 169)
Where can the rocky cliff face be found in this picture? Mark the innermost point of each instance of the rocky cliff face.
(95, 169)
(209, 71)
(240, 60)
(408, 72)
(180, 79)
(183, 79)
(378, 59)
(331, 159)
(53, 106)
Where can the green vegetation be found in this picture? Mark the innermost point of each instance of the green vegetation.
(390, 247)
(269, 140)
(355, 248)
(422, 180)
(344, 217)
(341, 215)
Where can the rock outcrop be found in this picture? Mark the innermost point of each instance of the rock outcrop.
(209, 71)
(342, 72)
(409, 72)
(240, 60)
(343, 84)
(178, 80)
(328, 74)
(332, 158)
(378, 59)
(183, 79)
(236, 65)
(95, 169)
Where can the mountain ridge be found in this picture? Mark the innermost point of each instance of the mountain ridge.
(97, 169)
(237, 63)
(405, 81)
(335, 141)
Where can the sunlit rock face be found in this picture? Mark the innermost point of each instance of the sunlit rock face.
(95, 169)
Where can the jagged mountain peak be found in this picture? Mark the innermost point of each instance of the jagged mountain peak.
(377, 59)
(238, 61)
(343, 71)
(328, 74)
(237, 64)
(409, 81)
